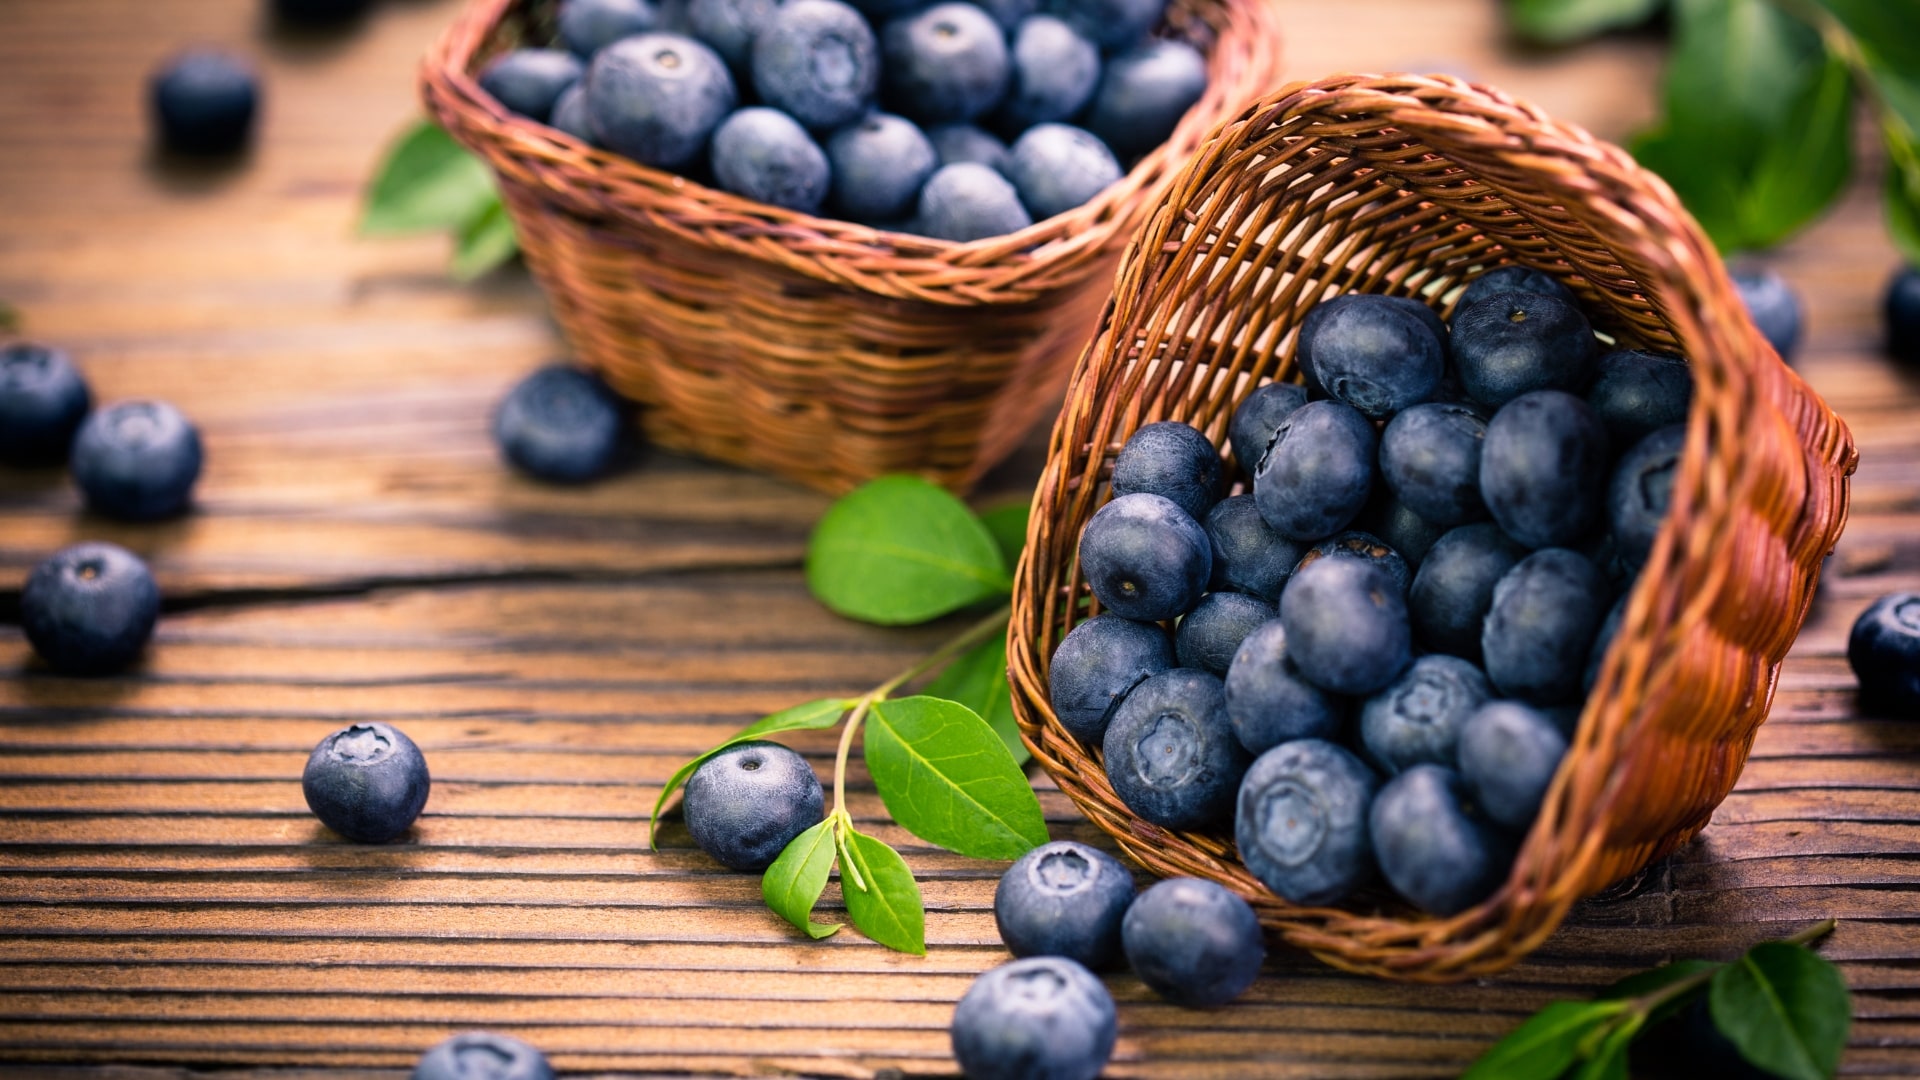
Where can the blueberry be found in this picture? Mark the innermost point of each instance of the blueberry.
(1057, 167)
(1318, 472)
(1515, 343)
(954, 144)
(1347, 625)
(1884, 651)
(1375, 354)
(1052, 73)
(1211, 633)
(1170, 459)
(1267, 700)
(729, 26)
(1430, 457)
(1248, 556)
(1418, 717)
(530, 81)
(1144, 93)
(204, 102)
(1110, 24)
(1323, 311)
(1394, 522)
(1097, 665)
(1434, 851)
(1302, 821)
(765, 155)
(1546, 612)
(1042, 1018)
(1773, 306)
(1509, 752)
(1689, 1045)
(570, 114)
(1453, 590)
(89, 609)
(1193, 942)
(1512, 279)
(559, 423)
(483, 1055)
(1543, 468)
(1257, 419)
(42, 401)
(969, 201)
(1636, 393)
(136, 461)
(745, 804)
(1603, 641)
(1901, 309)
(587, 26)
(1171, 754)
(657, 97)
(1366, 547)
(947, 64)
(1145, 558)
(366, 782)
(819, 61)
(1064, 899)
(879, 166)
(1641, 488)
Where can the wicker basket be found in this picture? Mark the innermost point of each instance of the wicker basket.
(819, 350)
(1409, 185)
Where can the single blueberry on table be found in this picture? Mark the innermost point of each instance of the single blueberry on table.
(1144, 93)
(1064, 899)
(1394, 522)
(559, 423)
(43, 399)
(1317, 474)
(1509, 752)
(729, 26)
(1267, 700)
(483, 1055)
(1171, 754)
(745, 804)
(1354, 544)
(765, 155)
(1053, 71)
(1376, 354)
(1248, 556)
(1546, 613)
(1602, 641)
(530, 81)
(1430, 457)
(1211, 633)
(1170, 459)
(1257, 419)
(1145, 558)
(1435, 851)
(1097, 665)
(1347, 625)
(1511, 344)
(587, 26)
(879, 166)
(1689, 1046)
(366, 782)
(1193, 942)
(1057, 167)
(1418, 717)
(1642, 487)
(1884, 651)
(1453, 590)
(1773, 306)
(1636, 393)
(1111, 24)
(1302, 821)
(968, 201)
(1514, 278)
(204, 102)
(570, 114)
(1901, 309)
(89, 609)
(819, 61)
(947, 64)
(136, 461)
(1041, 1018)
(657, 97)
(1543, 468)
(954, 144)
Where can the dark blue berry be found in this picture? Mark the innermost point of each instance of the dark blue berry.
(1211, 633)
(1546, 612)
(204, 103)
(1318, 471)
(1394, 522)
(530, 81)
(1641, 488)
(879, 166)
(1144, 93)
(1511, 279)
(1901, 309)
(1258, 418)
(1884, 651)
(1097, 665)
(1688, 1045)
(1193, 942)
(1302, 821)
(1170, 459)
(1515, 343)
(765, 155)
(1509, 752)
(657, 97)
(559, 423)
(1354, 544)
(1636, 393)
(1053, 72)
(1064, 899)
(954, 144)
(89, 609)
(1111, 24)
(969, 201)
(1171, 754)
(1248, 556)
(1418, 717)
(570, 114)
(42, 401)
(1430, 457)
(1602, 641)
(1145, 558)
(587, 26)
(1375, 354)
(1774, 307)
(1453, 589)
(729, 27)
(1347, 626)
(1434, 851)
(366, 782)
(947, 64)
(483, 1055)
(1267, 700)
(1543, 468)
(136, 461)
(1041, 1018)
(819, 61)
(745, 804)
(1057, 167)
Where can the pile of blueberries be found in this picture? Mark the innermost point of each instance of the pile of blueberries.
(952, 120)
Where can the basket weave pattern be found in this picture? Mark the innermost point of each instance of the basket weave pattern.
(1410, 186)
(819, 350)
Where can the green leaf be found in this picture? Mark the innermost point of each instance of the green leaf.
(1558, 22)
(889, 909)
(792, 885)
(1608, 1060)
(9, 318)
(1903, 212)
(812, 716)
(1785, 1008)
(947, 778)
(978, 680)
(485, 243)
(901, 550)
(1646, 983)
(1008, 524)
(428, 182)
(1547, 1044)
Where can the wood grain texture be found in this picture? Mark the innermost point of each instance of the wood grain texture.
(167, 904)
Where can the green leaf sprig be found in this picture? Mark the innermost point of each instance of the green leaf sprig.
(429, 183)
(946, 761)
(1784, 1008)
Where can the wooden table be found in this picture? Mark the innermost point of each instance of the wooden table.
(358, 552)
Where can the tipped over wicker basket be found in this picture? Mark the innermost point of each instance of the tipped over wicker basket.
(1409, 186)
(818, 350)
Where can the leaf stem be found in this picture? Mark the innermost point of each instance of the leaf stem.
(1648, 1002)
